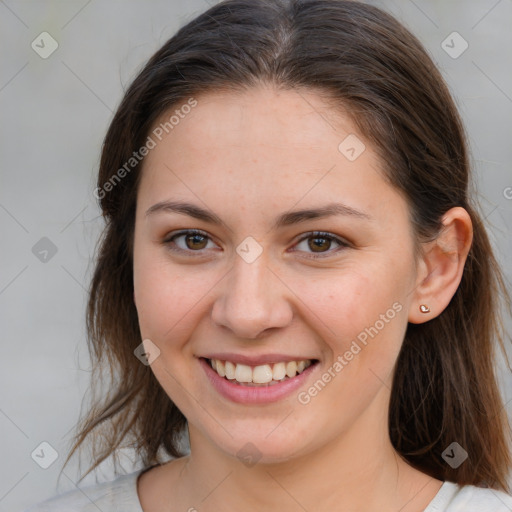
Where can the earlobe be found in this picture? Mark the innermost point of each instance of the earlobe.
(443, 265)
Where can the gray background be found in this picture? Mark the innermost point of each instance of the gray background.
(54, 114)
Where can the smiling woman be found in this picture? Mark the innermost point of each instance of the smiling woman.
(295, 276)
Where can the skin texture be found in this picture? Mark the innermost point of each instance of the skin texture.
(249, 157)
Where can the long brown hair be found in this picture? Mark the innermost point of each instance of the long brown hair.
(445, 387)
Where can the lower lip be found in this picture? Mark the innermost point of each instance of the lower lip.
(255, 394)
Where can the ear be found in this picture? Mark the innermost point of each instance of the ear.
(441, 265)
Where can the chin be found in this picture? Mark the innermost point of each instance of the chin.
(264, 445)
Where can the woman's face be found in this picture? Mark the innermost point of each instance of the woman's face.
(257, 287)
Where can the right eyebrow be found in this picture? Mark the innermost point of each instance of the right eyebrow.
(185, 208)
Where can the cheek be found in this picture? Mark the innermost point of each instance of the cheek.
(351, 300)
(362, 316)
(168, 297)
(363, 325)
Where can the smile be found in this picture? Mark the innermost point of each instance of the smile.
(257, 384)
(265, 374)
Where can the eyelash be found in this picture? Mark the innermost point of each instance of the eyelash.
(169, 241)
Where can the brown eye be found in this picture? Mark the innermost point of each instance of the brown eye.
(320, 243)
(188, 242)
(195, 241)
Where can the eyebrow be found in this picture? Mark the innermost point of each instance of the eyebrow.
(286, 219)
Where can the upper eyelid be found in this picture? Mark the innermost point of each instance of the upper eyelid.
(325, 234)
(174, 234)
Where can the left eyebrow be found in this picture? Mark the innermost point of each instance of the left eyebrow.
(285, 219)
(329, 210)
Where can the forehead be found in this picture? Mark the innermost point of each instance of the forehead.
(241, 147)
(259, 116)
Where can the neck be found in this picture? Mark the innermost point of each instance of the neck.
(359, 471)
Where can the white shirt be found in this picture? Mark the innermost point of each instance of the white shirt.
(121, 495)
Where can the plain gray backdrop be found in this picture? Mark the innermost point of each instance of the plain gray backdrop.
(55, 112)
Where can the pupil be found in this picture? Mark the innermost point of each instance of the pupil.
(318, 244)
(195, 238)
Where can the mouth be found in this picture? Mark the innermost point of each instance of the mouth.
(257, 384)
(261, 375)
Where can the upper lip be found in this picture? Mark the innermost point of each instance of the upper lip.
(256, 360)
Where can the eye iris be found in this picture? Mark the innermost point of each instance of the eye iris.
(194, 237)
(317, 244)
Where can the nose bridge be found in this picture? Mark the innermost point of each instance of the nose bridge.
(252, 300)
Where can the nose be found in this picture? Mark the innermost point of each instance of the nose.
(253, 300)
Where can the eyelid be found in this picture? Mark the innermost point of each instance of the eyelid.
(183, 232)
(190, 231)
(323, 234)
(304, 236)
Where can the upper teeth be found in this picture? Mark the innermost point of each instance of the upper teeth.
(259, 374)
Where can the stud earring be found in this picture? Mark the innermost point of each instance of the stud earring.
(424, 308)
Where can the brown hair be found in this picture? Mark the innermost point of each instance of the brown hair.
(445, 388)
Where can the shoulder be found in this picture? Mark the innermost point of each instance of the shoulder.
(119, 495)
(469, 498)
